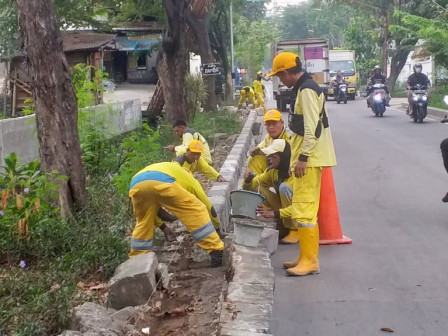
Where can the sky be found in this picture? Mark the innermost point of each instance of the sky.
(281, 3)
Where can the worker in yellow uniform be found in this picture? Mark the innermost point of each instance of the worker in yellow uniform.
(275, 128)
(188, 134)
(259, 91)
(312, 149)
(168, 185)
(246, 94)
(277, 176)
(194, 162)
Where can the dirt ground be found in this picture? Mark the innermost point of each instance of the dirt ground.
(190, 306)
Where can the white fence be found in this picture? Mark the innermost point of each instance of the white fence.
(19, 134)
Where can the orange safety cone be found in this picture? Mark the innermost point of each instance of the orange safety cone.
(328, 216)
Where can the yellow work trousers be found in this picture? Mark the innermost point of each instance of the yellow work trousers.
(149, 195)
(257, 164)
(259, 101)
(285, 192)
(305, 198)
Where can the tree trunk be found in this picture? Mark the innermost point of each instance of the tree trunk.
(54, 98)
(397, 63)
(172, 61)
(198, 19)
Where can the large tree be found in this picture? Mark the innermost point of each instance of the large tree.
(54, 98)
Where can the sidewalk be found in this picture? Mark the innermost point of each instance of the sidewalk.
(127, 91)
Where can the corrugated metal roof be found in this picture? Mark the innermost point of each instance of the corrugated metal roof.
(87, 41)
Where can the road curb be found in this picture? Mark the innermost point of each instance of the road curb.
(246, 302)
(436, 112)
(231, 169)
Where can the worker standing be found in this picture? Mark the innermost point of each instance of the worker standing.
(194, 162)
(168, 185)
(188, 134)
(259, 91)
(312, 149)
(246, 94)
(275, 128)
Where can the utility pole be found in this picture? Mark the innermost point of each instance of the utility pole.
(232, 55)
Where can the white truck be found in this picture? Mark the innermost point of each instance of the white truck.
(314, 54)
(344, 60)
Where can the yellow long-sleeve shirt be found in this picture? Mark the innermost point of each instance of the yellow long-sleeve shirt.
(200, 166)
(189, 135)
(268, 179)
(316, 149)
(186, 180)
(258, 86)
(247, 95)
(267, 141)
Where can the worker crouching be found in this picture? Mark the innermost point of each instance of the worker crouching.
(169, 186)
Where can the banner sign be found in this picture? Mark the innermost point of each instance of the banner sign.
(211, 69)
(137, 43)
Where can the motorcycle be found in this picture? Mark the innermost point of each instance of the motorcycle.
(342, 94)
(419, 102)
(378, 99)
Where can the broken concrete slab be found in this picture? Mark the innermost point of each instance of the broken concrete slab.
(93, 318)
(133, 282)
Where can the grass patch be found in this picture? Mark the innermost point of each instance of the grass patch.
(220, 121)
(39, 273)
(437, 94)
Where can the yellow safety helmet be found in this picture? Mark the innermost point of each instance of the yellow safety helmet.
(196, 146)
(259, 73)
(272, 115)
(243, 92)
(283, 61)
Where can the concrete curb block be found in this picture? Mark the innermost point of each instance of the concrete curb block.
(437, 112)
(247, 297)
(219, 194)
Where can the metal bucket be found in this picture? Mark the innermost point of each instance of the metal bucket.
(247, 231)
(245, 203)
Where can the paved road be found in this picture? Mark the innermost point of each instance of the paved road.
(389, 183)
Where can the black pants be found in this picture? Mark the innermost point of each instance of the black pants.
(444, 148)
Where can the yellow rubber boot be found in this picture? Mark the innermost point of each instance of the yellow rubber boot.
(309, 253)
(291, 264)
(291, 238)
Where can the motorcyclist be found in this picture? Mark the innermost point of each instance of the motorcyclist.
(338, 79)
(377, 78)
(416, 78)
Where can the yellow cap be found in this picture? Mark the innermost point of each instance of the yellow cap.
(259, 73)
(277, 146)
(273, 115)
(283, 61)
(195, 146)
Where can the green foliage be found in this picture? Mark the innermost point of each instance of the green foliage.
(39, 287)
(437, 97)
(220, 121)
(137, 150)
(253, 41)
(88, 91)
(433, 31)
(196, 93)
(29, 108)
(8, 28)
(27, 195)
